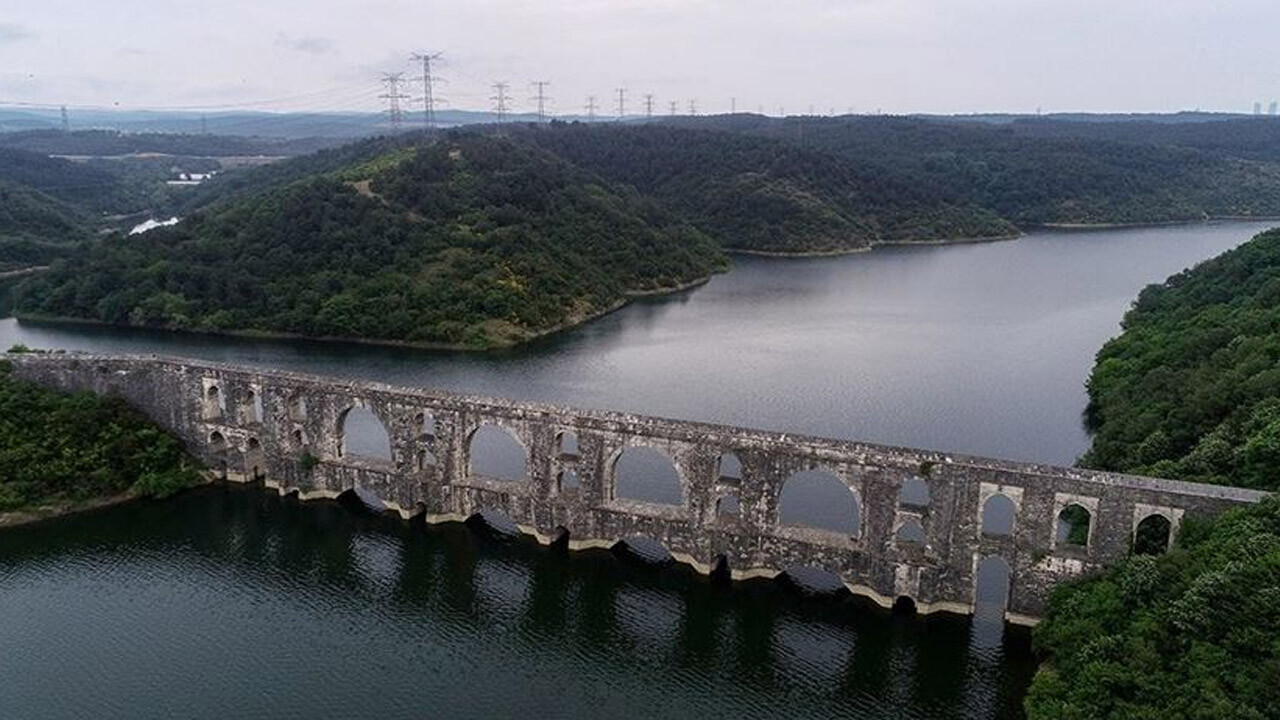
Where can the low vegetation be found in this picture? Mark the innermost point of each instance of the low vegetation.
(58, 448)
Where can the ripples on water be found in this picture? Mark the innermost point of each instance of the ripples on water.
(232, 602)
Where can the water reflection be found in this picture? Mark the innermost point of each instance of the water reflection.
(231, 601)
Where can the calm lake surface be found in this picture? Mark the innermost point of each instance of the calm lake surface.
(235, 603)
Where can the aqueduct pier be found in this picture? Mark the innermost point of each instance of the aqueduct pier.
(920, 531)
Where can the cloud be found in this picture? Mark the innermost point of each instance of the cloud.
(13, 32)
(311, 45)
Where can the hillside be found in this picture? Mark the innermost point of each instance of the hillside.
(474, 241)
(762, 195)
(1191, 389)
(1044, 179)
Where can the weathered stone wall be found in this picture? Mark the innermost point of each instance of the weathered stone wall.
(249, 423)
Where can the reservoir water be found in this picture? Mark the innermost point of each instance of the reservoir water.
(235, 603)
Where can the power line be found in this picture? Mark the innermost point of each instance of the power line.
(500, 100)
(428, 85)
(591, 108)
(622, 103)
(541, 98)
(648, 106)
(673, 104)
(693, 106)
(393, 96)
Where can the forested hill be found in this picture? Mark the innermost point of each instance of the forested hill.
(472, 241)
(1044, 178)
(763, 195)
(1191, 387)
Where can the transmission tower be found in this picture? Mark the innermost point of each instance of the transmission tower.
(673, 104)
(648, 106)
(66, 121)
(733, 106)
(541, 98)
(393, 96)
(428, 85)
(500, 101)
(591, 108)
(693, 106)
(622, 103)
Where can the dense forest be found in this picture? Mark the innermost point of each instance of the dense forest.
(474, 241)
(1038, 179)
(1194, 633)
(113, 143)
(60, 448)
(1190, 389)
(759, 194)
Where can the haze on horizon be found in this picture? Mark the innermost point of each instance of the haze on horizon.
(895, 56)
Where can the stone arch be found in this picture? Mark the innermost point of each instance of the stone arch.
(426, 460)
(646, 474)
(1153, 535)
(494, 452)
(252, 409)
(729, 467)
(729, 507)
(424, 424)
(495, 521)
(992, 582)
(905, 604)
(820, 499)
(567, 481)
(296, 407)
(999, 516)
(567, 445)
(362, 434)
(218, 450)
(910, 532)
(644, 548)
(255, 461)
(812, 580)
(212, 401)
(1073, 526)
(914, 492)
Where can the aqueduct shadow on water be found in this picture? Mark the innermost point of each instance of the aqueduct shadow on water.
(903, 523)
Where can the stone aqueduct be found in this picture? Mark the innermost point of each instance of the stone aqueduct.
(262, 424)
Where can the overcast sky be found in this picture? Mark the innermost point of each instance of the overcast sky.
(891, 55)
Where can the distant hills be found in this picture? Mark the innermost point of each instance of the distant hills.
(492, 235)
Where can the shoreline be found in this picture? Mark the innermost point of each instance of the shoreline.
(874, 244)
(1159, 223)
(59, 509)
(627, 298)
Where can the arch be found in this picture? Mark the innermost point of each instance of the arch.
(1152, 535)
(811, 580)
(424, 425)
(362, 501)
(495, 522)
(646, 474)
(729, 467)
(905, 604)
(252, 407)
(361, 434)
(567, 445)
(296, 408)
(729, 507)
(299, 438)
(910, 532)
(567, 481)
(1073, 525)
(914, 492)
(254, 459)
(212, 402)
(494, 452)
(426, 459)
(645, 549)
(217, 443)
(991, 584)
(821, 500)
(998, 515)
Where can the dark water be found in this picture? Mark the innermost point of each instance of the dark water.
(980, 349)
(232, 602)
